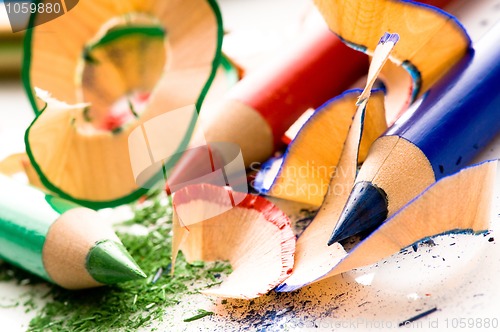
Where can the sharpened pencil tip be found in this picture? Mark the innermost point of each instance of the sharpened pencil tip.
(108, 262)
(366, 209)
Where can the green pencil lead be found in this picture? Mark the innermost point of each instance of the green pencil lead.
(109, 262)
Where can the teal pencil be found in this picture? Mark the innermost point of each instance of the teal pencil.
(59, 241)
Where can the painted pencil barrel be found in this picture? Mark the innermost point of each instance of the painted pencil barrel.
(461, 113)
(26, 215)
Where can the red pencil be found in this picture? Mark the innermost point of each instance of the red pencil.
(258, 110)
(262, 106)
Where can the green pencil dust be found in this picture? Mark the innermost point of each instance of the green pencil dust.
(201, 313)
(134, 304)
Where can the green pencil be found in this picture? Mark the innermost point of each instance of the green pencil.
(59, 241)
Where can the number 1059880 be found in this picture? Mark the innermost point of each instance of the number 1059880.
(33, 7)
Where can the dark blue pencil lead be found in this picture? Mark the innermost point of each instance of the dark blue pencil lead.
(366, 208)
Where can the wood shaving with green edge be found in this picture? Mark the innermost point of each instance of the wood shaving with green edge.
(131, 305)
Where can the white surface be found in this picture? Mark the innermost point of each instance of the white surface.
(15, 115)
(461, 280)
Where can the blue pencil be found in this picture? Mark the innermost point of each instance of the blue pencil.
(440, 135)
